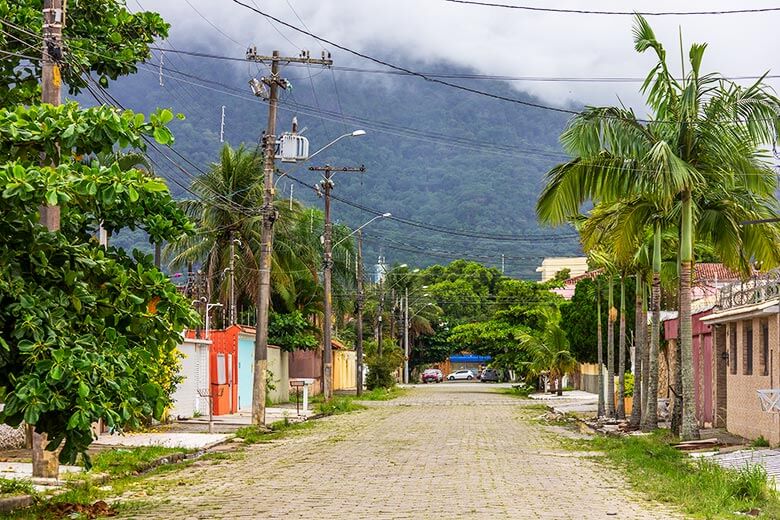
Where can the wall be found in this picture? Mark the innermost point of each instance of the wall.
(307, 364)
(344, 370)
(195, 373)
(588, 377)
(745, 417)
(278, 364)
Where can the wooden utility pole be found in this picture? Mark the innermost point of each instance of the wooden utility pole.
(269, 215)
(232, 304)
(45, 463)
(327, 264)
(359, 324)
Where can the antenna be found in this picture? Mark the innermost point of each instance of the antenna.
(222, 126)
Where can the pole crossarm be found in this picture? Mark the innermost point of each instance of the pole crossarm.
(251, 55)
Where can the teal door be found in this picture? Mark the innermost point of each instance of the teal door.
(246, 367)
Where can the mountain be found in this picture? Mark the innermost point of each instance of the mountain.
(434, 155)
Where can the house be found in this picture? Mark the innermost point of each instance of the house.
(194, 371)
(232, 357)
(576, 265)
(746, 350)
(708, 280)
(570, 284)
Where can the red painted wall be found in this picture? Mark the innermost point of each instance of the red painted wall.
(224, 352)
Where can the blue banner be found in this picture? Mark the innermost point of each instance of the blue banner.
(469, 358)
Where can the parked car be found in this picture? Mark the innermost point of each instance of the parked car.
(461, 374)
(432, 375)
(490, 375)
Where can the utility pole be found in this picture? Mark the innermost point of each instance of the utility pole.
(269, 216)
(359, 324)
(327, 356)
(381, 311)
(406, 336)
(232, 295)
(45, 463)
(502, 263)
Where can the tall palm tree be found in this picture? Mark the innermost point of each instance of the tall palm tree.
(705, 131)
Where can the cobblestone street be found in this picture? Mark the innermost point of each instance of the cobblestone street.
(454, 450)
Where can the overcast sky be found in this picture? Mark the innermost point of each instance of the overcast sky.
(489, 40)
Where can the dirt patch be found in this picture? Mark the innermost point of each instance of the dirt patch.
(99, 509)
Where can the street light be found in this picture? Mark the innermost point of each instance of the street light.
(210, 306)
(383, 215)
(356, 133)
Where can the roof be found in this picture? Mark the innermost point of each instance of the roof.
(711, 272)
(590, 274)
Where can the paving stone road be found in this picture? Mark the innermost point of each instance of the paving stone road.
(447, 450)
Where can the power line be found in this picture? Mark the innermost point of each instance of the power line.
(469, 76)
(618, 13)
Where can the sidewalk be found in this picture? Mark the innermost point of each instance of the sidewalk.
(574, 401)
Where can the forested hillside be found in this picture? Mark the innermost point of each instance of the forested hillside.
(434, 155)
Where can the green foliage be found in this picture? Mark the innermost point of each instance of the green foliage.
(382, 394)
(102, 36)
(291, 331)
(86, 333)
(702, 488)
(381, 368)
(338, 405)
(579, 319)
(562, 275)
(276, 430)
(760, 442)
(12, 486)
(121, 462)
(628, 389)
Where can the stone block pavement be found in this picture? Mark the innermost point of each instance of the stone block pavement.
(458, 450)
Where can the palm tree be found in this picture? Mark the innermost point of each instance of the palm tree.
(706, 131)
(549, 350)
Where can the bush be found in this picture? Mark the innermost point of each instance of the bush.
(761, 442)
(628, 388)
(380, 373)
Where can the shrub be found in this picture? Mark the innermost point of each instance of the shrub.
(380, 373)
(628, 385)
(761, 442)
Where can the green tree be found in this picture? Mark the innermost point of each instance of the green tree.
(549, 350)
(103, 37)
(706, 132)
(86, 333)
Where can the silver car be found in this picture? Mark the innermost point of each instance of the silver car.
(467, 375)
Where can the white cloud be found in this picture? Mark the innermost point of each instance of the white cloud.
(490, 40)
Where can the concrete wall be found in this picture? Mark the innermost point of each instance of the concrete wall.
(588, 377)
(278, 364)
(745, 417)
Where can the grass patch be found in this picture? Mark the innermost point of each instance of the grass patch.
(382, 394)
(10, 487)
(338, 405)
(276, 430)
(120, 462)
(761, 442)
(701, 488)
(522, 391)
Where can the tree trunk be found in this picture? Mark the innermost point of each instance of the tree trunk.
(610, 354)
(560, 386)
(45, 463)
(599, 346)
(650, 418)
(645, 353)
(639, 349)
(690, 428)
(621, 403)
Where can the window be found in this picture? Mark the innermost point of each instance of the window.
(764, 348)
(747, 356)
(733, 347)
(221, 379)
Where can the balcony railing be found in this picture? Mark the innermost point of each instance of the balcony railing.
(758, 288)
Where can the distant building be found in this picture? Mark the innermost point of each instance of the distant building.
(577, 265)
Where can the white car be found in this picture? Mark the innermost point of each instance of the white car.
(461, 374)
